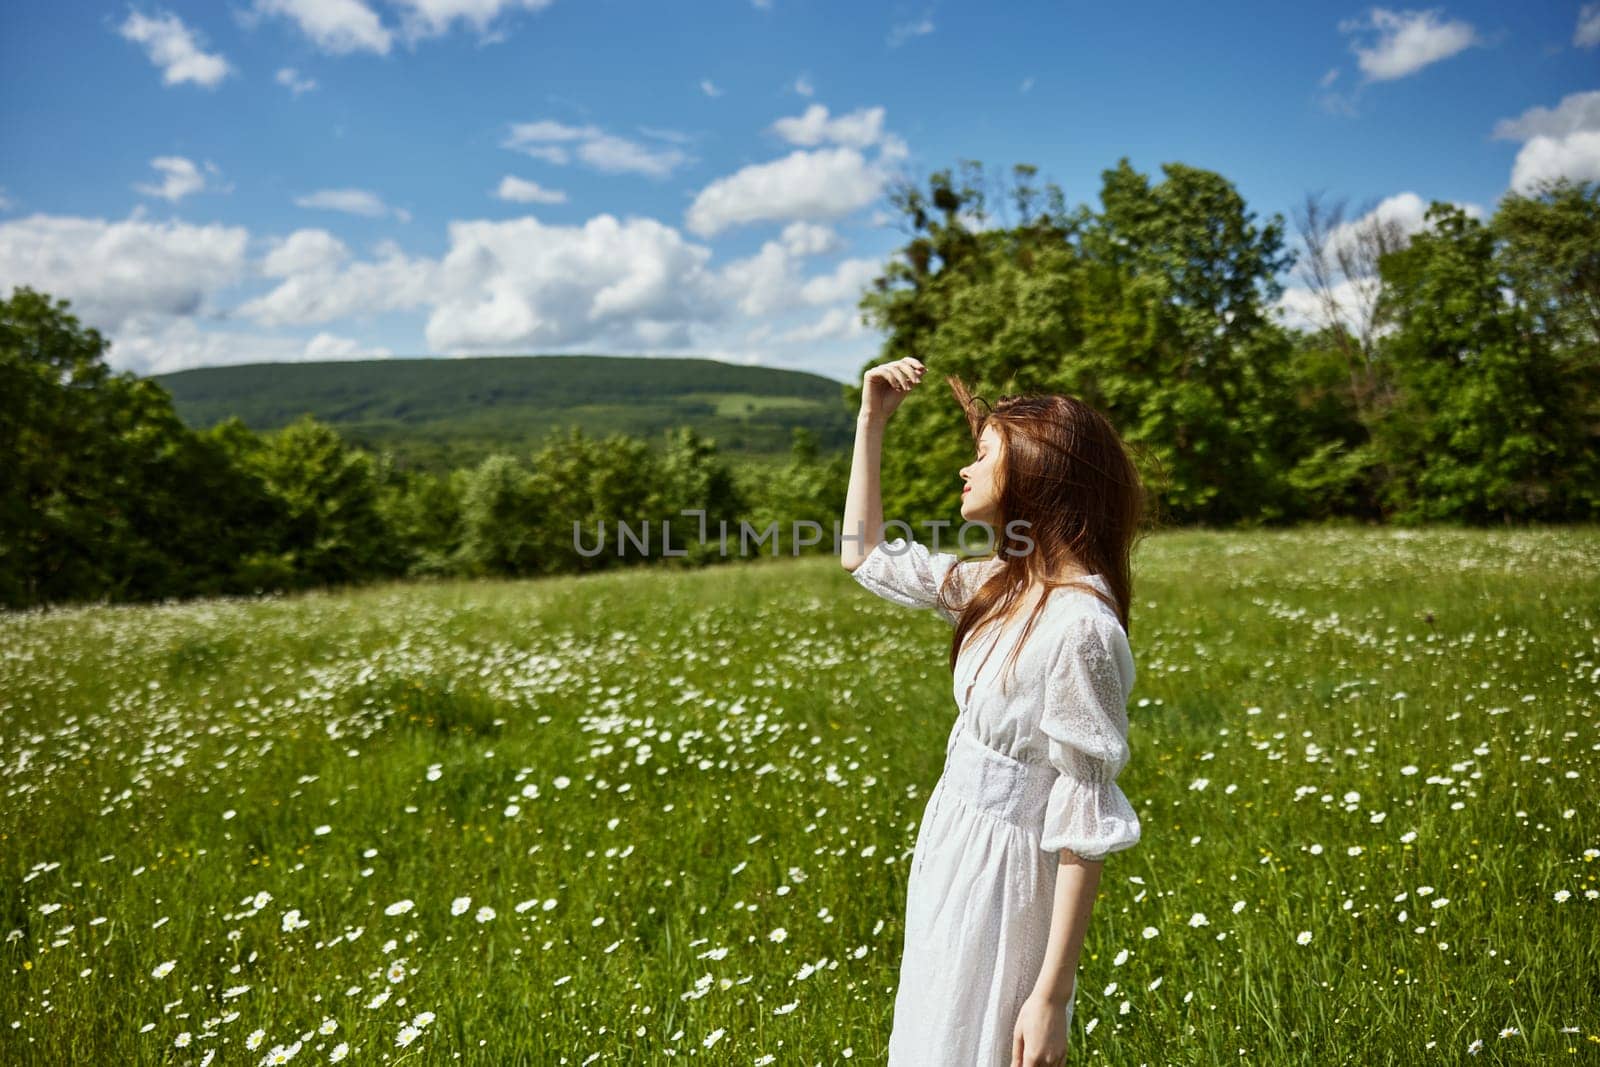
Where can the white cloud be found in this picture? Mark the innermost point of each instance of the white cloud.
(432, 18)
(1354, 295)
(709, 87)
(1299, 308)
(1587, 33)
(549, 153)
(556, 142)
(1563, 142)
(1577, 111)
(762, 284)
(905, 31)
(180, 178)
(6, 203)
(836, 324)
(520, 283)
(1329, 78)
(295, 82)
(114, 271)
(859, 129)
(319, 289)
(335, 26)
(174, 48)
(1407, 41)
(350, 201)
(847, 281)
(616, 155)
(804, 87)
(164, 292)
(304, 252)
(327, 346)
(1403, 212)
(153, 344)
(809, 239)
(769, 282)
(1575, 156)
(545, 131)
(522, 191)
(1025, 86)
(824, 184)
(150, 344)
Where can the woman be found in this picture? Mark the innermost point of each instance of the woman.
(1010, 848)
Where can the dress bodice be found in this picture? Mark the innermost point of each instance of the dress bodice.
(1063, 703)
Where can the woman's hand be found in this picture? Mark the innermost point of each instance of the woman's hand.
(884, 386)
(1040, 1037)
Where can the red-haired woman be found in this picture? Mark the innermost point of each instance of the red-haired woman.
(1010, 847)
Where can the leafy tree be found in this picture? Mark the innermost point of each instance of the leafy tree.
(1486, 425)
(422, 511)
(105, 493)
(692, 477)
(1549, 244)
(1338, 472)
(51, 368)
(808, 487)
(504, 523)
(1153, 308)
(329, 529)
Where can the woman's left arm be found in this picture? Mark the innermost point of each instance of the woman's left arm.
(1086, 819)
(1041, 1032)
(1077, 882)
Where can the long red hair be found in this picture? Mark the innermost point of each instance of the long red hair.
(1065, 473)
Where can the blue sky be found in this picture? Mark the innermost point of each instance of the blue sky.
(310, 179)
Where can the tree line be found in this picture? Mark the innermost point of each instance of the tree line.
(1450, 375)
(1453, 375)
(108, 495)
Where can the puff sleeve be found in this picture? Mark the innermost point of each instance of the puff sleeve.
(905, 572)
(1085, 720)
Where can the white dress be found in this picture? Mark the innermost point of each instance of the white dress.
(1028, 771)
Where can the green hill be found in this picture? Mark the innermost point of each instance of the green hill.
(442, 413)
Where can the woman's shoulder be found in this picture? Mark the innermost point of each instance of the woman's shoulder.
(1076, 608)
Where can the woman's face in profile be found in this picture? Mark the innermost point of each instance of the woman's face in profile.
(980, 494)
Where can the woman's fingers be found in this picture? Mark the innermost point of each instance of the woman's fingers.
(901, 374)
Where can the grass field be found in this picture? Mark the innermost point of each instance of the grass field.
(631, 818)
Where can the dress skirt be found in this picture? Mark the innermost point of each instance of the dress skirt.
(978, 910)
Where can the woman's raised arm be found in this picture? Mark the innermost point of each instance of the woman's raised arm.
(882, 389)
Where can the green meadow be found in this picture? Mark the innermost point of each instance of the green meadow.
(660, 815)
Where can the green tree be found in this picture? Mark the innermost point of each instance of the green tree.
(1185, 276)
(1485, 425)
(1152, 309)
(422, 511)
(329, 527)
(505, 524)
(693, 477)
(51, 369)
(105, 493)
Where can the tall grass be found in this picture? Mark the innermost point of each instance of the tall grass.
(646, 816)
